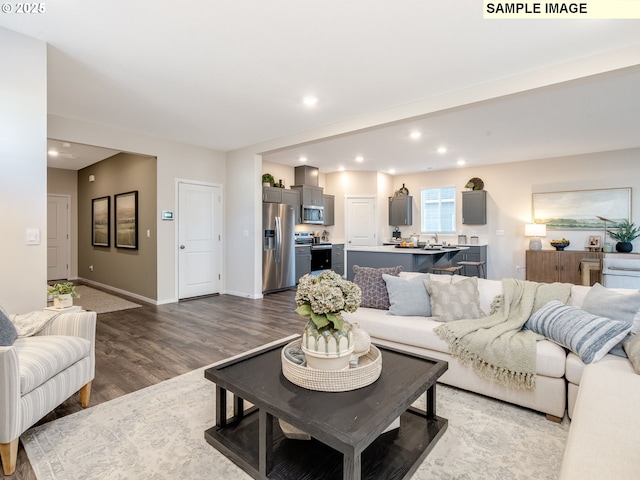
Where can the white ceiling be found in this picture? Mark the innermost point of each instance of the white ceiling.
(232, 73)
(74, 156)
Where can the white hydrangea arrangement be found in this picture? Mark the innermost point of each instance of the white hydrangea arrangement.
(324, 297)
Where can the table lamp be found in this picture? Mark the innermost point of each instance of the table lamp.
(535, 231)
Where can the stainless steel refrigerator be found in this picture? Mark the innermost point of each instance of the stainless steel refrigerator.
(278, 254)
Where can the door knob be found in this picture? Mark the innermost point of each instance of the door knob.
(181, 247)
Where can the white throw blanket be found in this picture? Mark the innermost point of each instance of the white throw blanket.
(28, 324)
(496, 345)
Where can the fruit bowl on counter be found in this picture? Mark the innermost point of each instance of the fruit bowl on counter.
(560, 244)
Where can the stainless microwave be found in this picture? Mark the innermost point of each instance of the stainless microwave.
(312, 214)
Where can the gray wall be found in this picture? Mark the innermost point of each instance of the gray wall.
(133, 271)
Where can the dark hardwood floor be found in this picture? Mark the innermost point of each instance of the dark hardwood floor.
(143, 346)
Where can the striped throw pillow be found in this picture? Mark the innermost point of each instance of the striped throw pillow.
(588, 336)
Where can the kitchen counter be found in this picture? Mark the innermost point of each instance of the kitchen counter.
(410, 259)
(406, 250)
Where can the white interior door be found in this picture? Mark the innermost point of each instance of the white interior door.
(199, 239)
(361, 221)
(57, 237)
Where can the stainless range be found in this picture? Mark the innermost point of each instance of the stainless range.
(320, 251)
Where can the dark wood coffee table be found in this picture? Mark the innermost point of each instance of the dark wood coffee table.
(346, 427)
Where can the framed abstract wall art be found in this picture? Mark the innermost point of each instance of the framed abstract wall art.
(582, 209)
(100, 221)
(126, 219)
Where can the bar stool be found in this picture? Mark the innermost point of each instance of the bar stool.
(479, 266)
(452, 270)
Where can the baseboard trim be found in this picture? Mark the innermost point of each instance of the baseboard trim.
(120, 291)
(243, 294)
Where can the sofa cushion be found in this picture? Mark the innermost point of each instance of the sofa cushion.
(454, 301)
(418, 332)
(42, 357)
(408, 296)
(607, 303)
(8, 332)
(374, 289)
(587, 335)
(632, 348)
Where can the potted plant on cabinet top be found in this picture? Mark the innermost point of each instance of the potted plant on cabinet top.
(625, 234)
(62, 294)
(268, 180)
(327, 340)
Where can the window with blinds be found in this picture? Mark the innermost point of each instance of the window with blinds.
(438, 210)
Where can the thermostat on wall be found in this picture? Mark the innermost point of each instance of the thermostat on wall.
(167, 215)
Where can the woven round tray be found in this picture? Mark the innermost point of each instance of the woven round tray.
(368, 370)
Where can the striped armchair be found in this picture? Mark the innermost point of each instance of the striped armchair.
(40, 372)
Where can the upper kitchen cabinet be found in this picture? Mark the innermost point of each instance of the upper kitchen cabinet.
(309, 195)
(474, 207)
(400, 210)
(292, 197)
(329, 209)
(272, 194)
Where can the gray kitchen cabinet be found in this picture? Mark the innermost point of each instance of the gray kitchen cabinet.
(474, 207)
(292, 197)
(309, 195)
(475, 253)
(303, 261)
(329, 209)
(272, 194)
(400, 210)
(282, 195)
(337, 258)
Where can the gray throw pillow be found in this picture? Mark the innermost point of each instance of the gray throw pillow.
(408, 297)
(374, 289)
(603, 302)
(455, 301)
(8, 333)
(632, 347)
(587, 335)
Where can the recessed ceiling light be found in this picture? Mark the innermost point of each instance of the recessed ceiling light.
(341, 169)
(302, 159)
(415, 135)
(461, 162)
(392, 171)
(359, 159)
(442, 150)
(310, 101)
(53, 153)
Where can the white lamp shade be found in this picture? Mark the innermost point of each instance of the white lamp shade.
(535, 230)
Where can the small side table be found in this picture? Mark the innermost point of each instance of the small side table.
(586, 267)
(74, 308)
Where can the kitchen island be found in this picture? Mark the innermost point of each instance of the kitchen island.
(412, 259)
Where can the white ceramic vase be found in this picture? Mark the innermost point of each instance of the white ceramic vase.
(327, 348)
(63, 301)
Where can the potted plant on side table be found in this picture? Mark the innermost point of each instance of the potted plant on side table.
(625, 234)
(62, 294)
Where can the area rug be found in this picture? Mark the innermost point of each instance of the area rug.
(158, 433)
(101, 302)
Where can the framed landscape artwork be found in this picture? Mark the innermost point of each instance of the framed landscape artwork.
(100, 226)
(126, 220)
(582, 209)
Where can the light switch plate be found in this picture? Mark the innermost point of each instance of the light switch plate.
(33, 236)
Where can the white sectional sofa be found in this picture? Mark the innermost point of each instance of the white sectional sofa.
(603, 439)
(555, 366)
